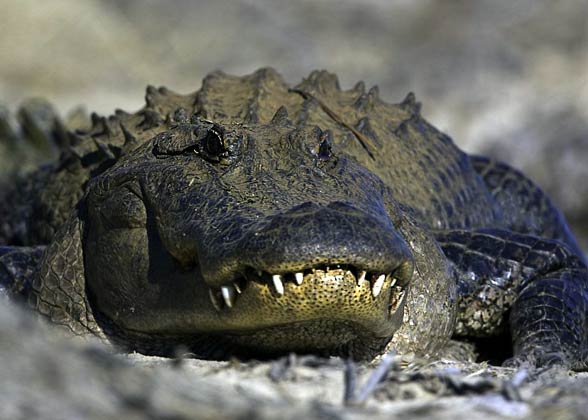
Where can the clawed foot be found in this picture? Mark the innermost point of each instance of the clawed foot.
(537, 359)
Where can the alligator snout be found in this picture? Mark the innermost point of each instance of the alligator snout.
(333, 239)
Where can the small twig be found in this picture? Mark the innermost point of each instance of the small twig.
(374, 379)
(510, 388)
(477, 373)
(519, 377)
(350, 379)
(280, 367)
(363, 140)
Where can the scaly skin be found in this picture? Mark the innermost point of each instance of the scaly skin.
(254, 219)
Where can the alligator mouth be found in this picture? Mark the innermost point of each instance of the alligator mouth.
(226, 297)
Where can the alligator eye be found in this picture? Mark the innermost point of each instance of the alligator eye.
(213, 143)
(210, 143)
(206, 140)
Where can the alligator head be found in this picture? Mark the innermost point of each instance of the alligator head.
(264, 237)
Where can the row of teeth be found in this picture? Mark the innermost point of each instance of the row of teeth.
(229, 293)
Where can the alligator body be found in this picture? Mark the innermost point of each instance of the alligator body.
(255, 219)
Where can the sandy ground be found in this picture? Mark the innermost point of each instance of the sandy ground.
(46, 376)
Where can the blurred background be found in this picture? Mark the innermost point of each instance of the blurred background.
(504, 78)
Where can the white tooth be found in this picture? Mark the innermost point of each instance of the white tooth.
(228, 295)
(259, 273)
(298, 277)
(278, 285)
(237, 288)
(377, 287)
(214, 300)
(393, 283)
(361, 277)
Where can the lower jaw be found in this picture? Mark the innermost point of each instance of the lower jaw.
(319, 337)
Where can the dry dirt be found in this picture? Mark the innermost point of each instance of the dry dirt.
(44, 375)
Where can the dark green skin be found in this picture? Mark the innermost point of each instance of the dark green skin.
(146, 214)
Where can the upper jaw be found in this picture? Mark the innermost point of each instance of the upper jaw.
(304, 238)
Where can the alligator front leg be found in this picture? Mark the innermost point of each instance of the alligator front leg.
(50, 279)
(537, 289)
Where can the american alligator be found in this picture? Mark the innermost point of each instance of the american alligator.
(252, 219)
